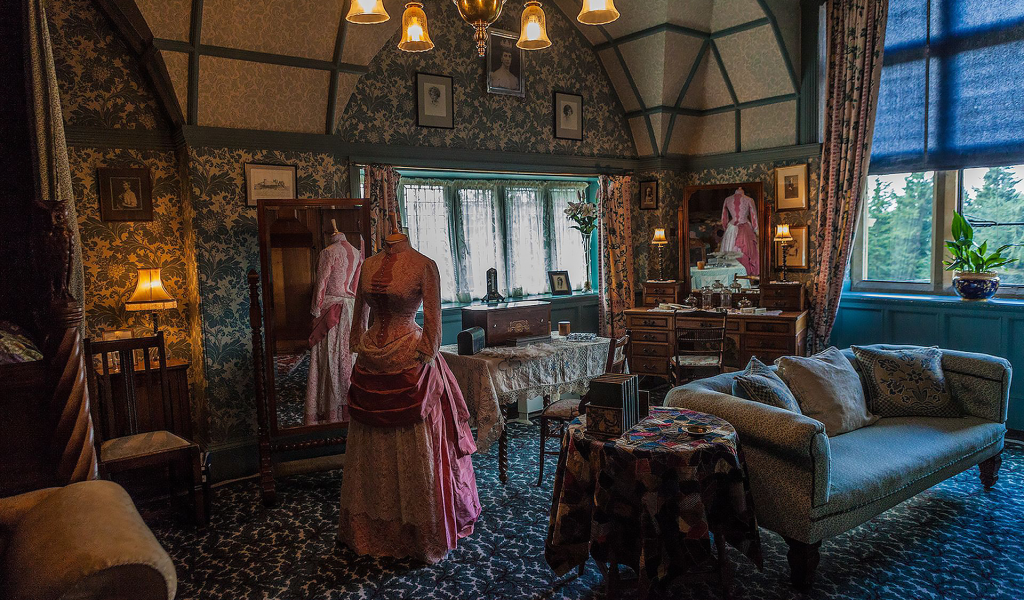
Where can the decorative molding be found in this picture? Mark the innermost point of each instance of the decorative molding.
(332, 91)
(195, 38)
(687, 31)
(693, 112)
(748, 157)
(135, 139)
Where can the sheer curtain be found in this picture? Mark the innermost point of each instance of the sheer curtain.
(479, 239)
(426, 215)
(567, 251)
(525, 228)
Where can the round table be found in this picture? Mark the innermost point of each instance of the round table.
(652, 498)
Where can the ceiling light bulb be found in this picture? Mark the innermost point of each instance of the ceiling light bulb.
(597, 12)
(534, 34)
(366, 12)
(415, 38)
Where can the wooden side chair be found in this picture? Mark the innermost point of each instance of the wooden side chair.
(122, 442)
(700, 346)
(556, 415)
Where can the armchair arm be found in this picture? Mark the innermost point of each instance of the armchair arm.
(980, 383)
(85, 541)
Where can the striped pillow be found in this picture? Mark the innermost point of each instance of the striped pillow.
(760, 384)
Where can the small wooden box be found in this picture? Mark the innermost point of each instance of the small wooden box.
(505, 322)
(471, 341)
(788, 296)
(662, 292)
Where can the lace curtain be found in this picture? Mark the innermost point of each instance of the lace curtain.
(569, 249)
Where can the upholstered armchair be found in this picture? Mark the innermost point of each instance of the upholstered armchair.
(84, 541)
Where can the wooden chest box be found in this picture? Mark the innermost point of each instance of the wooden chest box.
(505, 322)
(778, 295)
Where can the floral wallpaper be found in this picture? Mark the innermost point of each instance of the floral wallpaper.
(101, 85)
(382, 110)
(226, 248)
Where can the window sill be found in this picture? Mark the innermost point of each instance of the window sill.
(582, 297)
(911, 298)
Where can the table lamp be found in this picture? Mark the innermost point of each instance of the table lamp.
(783, 237)
(150, 295)
(659, 242)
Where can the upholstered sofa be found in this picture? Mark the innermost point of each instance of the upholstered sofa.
(809, 487)
(85, 541)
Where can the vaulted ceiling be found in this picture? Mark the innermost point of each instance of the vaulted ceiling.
(694, 76)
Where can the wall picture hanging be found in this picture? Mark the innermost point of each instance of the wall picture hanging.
(434, 107)
(269, 182)
(797, 255)
(791, 188)
(560, 285)
(568, 116)
(505, 64)
(649, 195)
(125, 194)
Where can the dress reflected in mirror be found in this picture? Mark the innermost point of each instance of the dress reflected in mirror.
(739, 219)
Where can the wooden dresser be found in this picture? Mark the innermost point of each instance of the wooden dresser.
(652, 337)
(663, 292)
(783, 296)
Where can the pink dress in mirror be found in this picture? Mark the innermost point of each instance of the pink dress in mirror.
(408, 488)
(739, 219)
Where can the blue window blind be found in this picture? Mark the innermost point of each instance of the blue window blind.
(952, 88)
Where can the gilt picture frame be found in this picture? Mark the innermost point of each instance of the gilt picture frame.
(797, 254)
(791, 188)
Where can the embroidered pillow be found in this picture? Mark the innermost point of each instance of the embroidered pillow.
(760, 384)
(906, 382)
(828, 390)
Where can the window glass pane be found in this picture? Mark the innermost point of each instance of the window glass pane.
(481, 237)
(430, 231)
(995, 196)
(898, 222)
(528, 256)
(567, 250)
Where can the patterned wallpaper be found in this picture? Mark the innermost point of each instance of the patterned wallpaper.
(226, 248)
(383, 108)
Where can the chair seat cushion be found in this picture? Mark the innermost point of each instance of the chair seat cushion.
(562, 409)
(695, 360)
(141, 444)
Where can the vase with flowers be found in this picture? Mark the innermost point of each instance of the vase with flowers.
(584, 215)
(973, 266)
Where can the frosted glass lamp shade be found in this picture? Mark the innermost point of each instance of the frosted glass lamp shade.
(367, 12)
(415, 37)
(534, 35)
(597, 12)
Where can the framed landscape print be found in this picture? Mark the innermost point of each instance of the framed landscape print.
(434, 107)
(125, 194)
(791, 188)
(269, 182)
(568, 116)
(797, 256)
(505, 64)
(649, 195)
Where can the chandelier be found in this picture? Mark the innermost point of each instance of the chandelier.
(479, 14)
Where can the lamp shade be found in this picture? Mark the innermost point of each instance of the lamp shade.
(782, 233)
(367, 12)
(534, 34)
(659, 237)
(150, 293)
(415, 37)
(597, 12)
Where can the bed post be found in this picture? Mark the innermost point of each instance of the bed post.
(73, 441)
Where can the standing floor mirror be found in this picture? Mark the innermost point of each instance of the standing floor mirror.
(294, 413)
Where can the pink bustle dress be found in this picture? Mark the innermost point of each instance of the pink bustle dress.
(408, 488)
(330, 358)
(739, 218)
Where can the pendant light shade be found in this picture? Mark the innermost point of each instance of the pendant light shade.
(367, 12)
(415, 37)
(597, 12)
(534, 34)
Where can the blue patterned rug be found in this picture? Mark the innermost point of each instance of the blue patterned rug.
(952, 541)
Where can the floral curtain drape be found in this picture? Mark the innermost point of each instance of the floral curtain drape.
(615, 252)
(382, 189)
(856, 35)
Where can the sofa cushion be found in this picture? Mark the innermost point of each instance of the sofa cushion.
(828, 389)
(760, 384)
(906, 382)
(873, 462)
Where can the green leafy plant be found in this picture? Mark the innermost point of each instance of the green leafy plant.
(967, 256)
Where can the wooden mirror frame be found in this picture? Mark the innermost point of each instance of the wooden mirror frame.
(754, 189)
(273, 439)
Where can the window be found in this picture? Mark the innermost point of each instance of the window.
(430, 230)
(993, 201)
(898, 227)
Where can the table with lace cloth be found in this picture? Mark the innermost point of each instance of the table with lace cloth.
(496, 377)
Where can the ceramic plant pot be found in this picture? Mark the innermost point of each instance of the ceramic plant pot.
(975, 286)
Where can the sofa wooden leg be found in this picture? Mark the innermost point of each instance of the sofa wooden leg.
(803, 562)
(990, 470)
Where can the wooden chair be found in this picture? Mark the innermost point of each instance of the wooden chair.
(699, 348)
(561, 412)
(122, 443)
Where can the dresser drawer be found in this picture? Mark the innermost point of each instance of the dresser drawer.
(778, 303)
(656, 299)
(769, 327)
(649, 321)
(690, 323)
(649, 366)
(656, 337)
(781, 292)
(640, 351)
(768, 342)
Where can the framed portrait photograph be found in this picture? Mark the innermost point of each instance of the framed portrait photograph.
(269, 182)
(125, 194)
(648, 195)
(434, 107)
(505, 64)
(791, 188)
(568, 116)
(559, 281)
(797, 256)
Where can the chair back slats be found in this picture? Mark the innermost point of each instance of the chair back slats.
(618, 352)
(704, 339)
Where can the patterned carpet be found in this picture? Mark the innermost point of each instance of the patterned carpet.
(953, 541)
(291, 373)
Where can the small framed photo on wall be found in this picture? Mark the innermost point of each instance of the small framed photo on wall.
(269, 182)
(568, 116)
(797, 255)
(791, 188)
(505, 64)
(125, 194)
(559, 281)
(649, 195)
(434, 107)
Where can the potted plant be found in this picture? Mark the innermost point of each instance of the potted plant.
(974, 277)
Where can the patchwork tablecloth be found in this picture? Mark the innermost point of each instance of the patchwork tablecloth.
(500, 376)
(650, 498)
